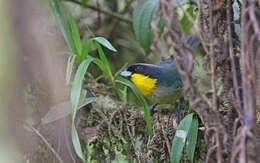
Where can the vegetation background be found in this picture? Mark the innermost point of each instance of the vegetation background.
(57, 53)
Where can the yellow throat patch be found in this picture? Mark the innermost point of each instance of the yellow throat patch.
(145, 84)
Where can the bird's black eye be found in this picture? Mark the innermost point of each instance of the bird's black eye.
(138, 68)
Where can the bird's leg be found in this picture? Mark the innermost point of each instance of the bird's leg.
(178, 113)
(152, 111)
(90, 93)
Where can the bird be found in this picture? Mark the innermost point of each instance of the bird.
(160, 82)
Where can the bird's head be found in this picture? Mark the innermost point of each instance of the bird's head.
(144, 76)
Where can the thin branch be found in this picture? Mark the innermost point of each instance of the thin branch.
(112, 14)
(231, 54)
(128, 4)
(46, 142)
(212, 59)
(254, 20)
(168, 144)
(132, 139)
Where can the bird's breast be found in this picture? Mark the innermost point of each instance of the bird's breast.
(145, 84)
(166, 95)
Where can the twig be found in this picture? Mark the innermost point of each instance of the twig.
(245, 140)
(254, 20)
(166, 138)
(46, 142)
(128, 4)
(107, 121)
(231, 54)
(204, 44)
(112, 14)
(132, 139)
(212, 58)
(121, 130)
(115, 24)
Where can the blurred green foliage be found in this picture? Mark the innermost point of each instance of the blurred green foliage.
(82, 51)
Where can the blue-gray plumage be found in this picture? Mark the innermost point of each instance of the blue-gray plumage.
(168, 86)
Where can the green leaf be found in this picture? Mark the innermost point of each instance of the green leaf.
(100, 77)
(105, 61)
(220, 89)
(102, 55)
(75, 35)
(86, 49)
(161, 24)
(103, 41)
(142, 23)
(142, 99)
(123, 94)
(75, 100)
(185, 22)
(192, 138)
(62, 110)
(70, 64)
(65, 30)
(180, 138)
(85, 2)
(101, 65)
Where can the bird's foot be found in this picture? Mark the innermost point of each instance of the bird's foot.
(179, 112)
(152, 109)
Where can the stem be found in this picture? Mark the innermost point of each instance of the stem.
(233, 66)
(46, 143)
(212, 59)
(112, 14)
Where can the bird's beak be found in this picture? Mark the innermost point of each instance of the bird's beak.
(126, 73)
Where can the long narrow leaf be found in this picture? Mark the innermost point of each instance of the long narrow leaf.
(75, 35)
(192, 138)
(86, 49)
(142, 99)
(62, 24)
(180, 138)
(104, 60)
(62, 110)
(70, 64)
(142, 23)
(103, 41)
(101, 65)
(74, 102)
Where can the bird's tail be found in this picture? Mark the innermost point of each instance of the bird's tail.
(193, 40)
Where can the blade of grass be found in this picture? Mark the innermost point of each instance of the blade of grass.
(101, 65)
(70, 64)
(192, 139)
(90, 32)
(100, 77)
(180, 138)
(86, 49)
(103, 41)
(75, 35)
(62, 110)
(62, 24)
(74, 102)
(142, 99)
(105, 61)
